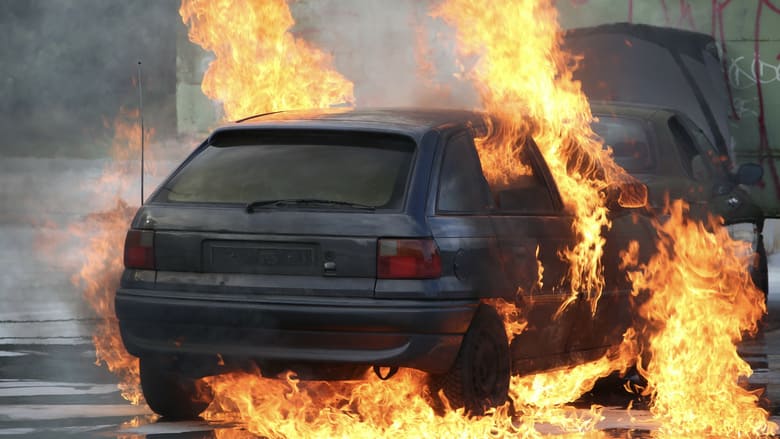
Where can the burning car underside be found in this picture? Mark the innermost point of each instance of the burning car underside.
(694, 297)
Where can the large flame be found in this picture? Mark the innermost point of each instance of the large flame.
(701, 296)
(103, 238)
(525, 83)
(260, 66)
(288, 408)
(401, 407)
(701, 302)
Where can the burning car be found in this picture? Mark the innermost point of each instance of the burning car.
(662, 100)
(671, 154)
(668, 152)
(328, 243)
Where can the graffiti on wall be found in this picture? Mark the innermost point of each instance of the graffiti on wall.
(756, 73)
(744, 73)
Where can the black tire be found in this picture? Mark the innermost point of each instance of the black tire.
(760, 275)
(171, 394)
(761, 270)
(479, 379)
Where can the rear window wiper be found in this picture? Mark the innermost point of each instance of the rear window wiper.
(304, 201)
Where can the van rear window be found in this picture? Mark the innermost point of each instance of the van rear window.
(242, 167)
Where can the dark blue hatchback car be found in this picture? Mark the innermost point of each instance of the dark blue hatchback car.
(332, 242)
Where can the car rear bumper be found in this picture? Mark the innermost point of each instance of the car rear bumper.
(424, 335)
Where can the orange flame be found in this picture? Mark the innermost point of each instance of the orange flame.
(103, 236)
(539, 270)
(260, 66)
(514, 321)
(702, 302)
(525, 81)
(290, 408)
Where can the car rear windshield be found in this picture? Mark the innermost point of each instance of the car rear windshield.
(628, 139)
(256, 166)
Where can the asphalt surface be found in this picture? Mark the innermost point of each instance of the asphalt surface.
(50, 386)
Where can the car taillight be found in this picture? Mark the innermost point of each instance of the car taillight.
(408, 259)
(139, 249)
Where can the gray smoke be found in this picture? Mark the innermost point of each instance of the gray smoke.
(394, 52)
(67, 65)
(66, 69)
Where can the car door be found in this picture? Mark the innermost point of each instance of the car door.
(460, 222)
(532, 230)
(615, 308)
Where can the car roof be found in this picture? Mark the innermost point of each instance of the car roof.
(414, 122)
(630, 109)
(650, 64)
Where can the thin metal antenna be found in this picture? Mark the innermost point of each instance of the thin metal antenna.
(141, 114)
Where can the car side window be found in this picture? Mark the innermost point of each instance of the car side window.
(692, 160)
(462, 186)
(711, 157)
(525, 194)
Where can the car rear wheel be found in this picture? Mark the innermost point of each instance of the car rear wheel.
(761, 270)
(479, 379)
(171, 394)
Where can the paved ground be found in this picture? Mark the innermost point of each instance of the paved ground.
(52, 389)
(49, 385)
